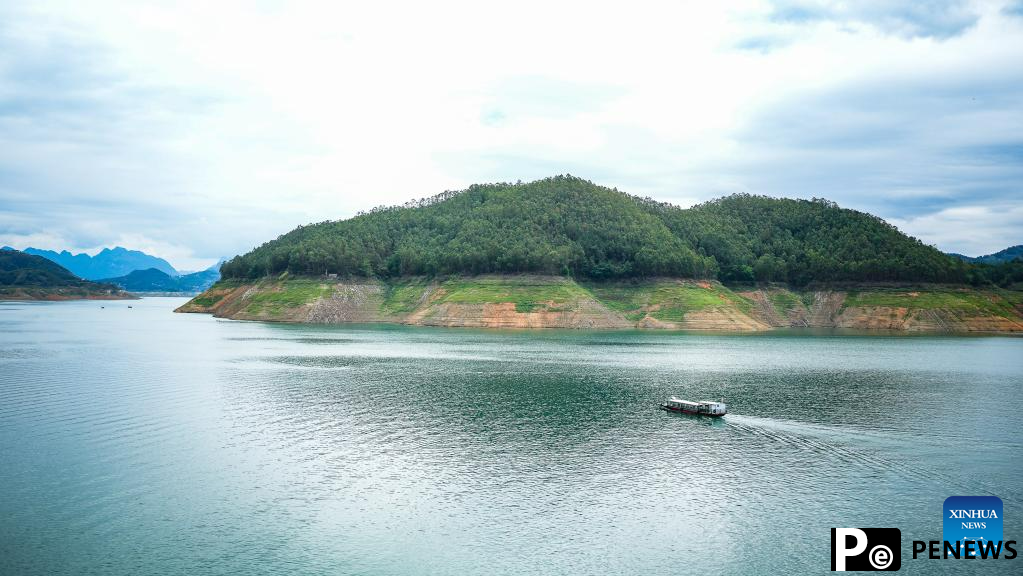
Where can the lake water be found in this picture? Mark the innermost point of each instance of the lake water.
(137, 441)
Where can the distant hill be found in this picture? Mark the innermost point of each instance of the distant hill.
(216, 267)
(199, 281)
(1007, 255)
(20, 269)
(109, 263)
(149, 280)
(571, 227)
(153, 280)
(26, 276)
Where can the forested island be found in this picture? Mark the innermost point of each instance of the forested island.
(565, 252)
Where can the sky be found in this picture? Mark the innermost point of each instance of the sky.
(195, 130)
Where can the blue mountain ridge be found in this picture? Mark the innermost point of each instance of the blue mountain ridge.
(1008, 255)
(109, 263)
(153, 280)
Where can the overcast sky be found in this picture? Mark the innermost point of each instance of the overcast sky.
(193, 130)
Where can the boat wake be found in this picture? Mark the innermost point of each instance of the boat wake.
(862, 448)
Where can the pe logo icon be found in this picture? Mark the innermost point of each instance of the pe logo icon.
(972, 518)
(866, 549)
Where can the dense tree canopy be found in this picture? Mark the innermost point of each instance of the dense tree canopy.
(27, 270)
(804, 241)
(566, 225)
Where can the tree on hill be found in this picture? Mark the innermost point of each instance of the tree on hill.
(21, 270)
(560, 225)
(566, 225)
(802, 241)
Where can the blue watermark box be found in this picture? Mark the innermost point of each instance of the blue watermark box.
(972, 518)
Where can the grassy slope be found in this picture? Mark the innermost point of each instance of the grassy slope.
(528, 293)
(784, 300)
(403, 296)
(667, 300)
(992, 302)
(290, 293)
(272, 297)
(215, 293)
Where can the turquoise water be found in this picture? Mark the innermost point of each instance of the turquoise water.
(137, 441)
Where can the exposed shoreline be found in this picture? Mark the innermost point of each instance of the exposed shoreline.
(22, 296)
(533, 301)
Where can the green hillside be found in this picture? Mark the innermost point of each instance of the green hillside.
(29, 276)
(756, 238)
(20, 269)
(571, 227)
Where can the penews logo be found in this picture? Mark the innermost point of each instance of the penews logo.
(861, 549)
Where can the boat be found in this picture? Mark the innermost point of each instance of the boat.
(702, 408)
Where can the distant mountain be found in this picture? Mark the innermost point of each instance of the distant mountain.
(200, 281)
(148, 280)
(1007, 255)
(109, 263)
(153, 280)
(215, 267)
(26, 276)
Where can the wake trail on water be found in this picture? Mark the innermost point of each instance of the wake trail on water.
(829, 440)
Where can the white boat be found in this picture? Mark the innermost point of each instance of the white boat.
(702, 408)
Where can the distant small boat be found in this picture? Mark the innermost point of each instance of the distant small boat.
(702, 408)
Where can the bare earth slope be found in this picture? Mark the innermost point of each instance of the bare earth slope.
(912, 309)
(536, 301)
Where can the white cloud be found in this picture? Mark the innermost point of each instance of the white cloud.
(969, 230)
(202, 129)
